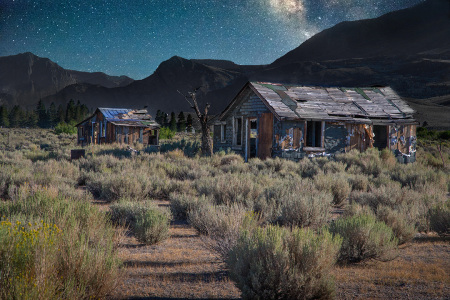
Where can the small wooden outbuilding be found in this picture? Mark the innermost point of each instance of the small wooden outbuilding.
(293, 121)
(118, 125)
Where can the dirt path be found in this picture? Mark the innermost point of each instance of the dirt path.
(177, 268)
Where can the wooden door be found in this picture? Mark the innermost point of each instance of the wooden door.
(265, 135)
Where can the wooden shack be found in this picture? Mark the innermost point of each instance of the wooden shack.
(118, 125)
(293, 121)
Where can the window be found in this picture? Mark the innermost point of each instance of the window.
(223, 133)
(237, 134)
(314, 133)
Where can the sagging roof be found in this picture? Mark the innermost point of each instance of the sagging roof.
(360, 105)
(126, 117)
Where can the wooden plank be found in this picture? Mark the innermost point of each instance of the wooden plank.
(265, 135)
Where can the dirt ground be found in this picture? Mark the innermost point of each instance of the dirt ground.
(181, 267)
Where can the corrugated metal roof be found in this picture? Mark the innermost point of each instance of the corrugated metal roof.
(332, 103)
(113, 112)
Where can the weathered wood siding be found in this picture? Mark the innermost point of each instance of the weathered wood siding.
(250, 107)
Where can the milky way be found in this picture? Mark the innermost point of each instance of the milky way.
(132, 37)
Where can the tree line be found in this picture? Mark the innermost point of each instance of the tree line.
(42, 117)
(175, 124)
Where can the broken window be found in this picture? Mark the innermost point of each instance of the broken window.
(314, 133)
(292, 139)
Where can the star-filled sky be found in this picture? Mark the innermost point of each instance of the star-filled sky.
(132, 37)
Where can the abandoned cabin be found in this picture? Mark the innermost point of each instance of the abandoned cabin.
(118, 125)
(290, 121)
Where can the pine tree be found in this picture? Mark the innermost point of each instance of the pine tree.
(189, 123)
(165, 121)
(159, 117)
(52, 115)
(173, 122)
(42, 116)
(70, 111)
(60, 115)
(181, 122)
(78, 114)
(4, 118)
(31, 119)
(16, 117)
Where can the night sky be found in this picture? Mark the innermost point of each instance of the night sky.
(131, 37)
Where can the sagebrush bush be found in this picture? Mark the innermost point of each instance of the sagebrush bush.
(337, 184)
(401, 224)
(220, 225)
(277, 263)
(306, 208)
(439, 218)
(182, 204)
(149, 224)
(363, 238)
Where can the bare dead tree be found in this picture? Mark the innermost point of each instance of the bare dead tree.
(191, 98)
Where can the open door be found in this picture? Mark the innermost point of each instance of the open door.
(265, 135)
(252, 137)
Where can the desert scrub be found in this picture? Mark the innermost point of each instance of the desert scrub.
(149, 224)
(364, 238)
(28, 252)
(401, 224)
(336, 183)
(182, 203)
(277, 263)
(439, 218)
(220, 225)
(86, 245)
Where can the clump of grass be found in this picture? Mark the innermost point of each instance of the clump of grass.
(149, 224)
(364, 238)
(277, 263)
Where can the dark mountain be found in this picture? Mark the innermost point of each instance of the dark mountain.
(160, 90)
(421, 29)
(25, 78)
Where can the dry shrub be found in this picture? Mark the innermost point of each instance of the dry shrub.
(364, 238)
(149, 224)
(84, 248)
(182, 203)
(401, 224)
(220, 225)
(277, 263)
(388, 159)
(439, 218)
(305, 208)
(229, 188)
(359, 182)
(231, 159)
(333, 167)
(337, 184)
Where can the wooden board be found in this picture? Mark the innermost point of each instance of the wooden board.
(265, 135)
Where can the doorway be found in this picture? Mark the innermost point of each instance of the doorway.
(253, 136)
(380, 140)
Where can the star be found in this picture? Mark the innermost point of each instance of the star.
(133, 37)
